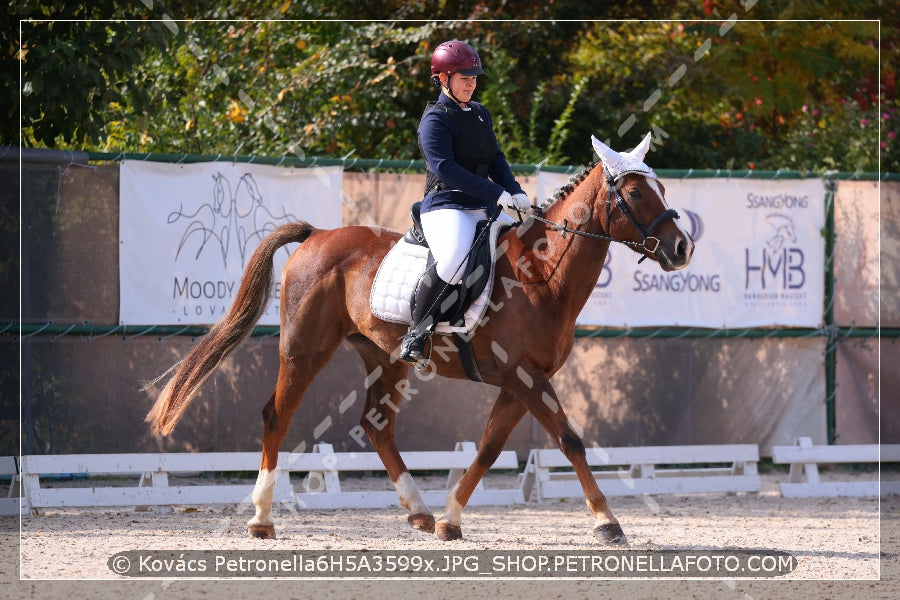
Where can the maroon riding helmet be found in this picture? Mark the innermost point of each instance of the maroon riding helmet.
(455, 57)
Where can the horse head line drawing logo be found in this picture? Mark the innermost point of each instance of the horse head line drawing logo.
(784, 231)
(236, 217)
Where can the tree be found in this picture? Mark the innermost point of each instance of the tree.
(72, 68)
(729, 94)
(313, 88)
(323, 87)
(718, 90)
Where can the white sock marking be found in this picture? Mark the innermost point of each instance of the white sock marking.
(263, 493)
(410, 496)
(453, 512)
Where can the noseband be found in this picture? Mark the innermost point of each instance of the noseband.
(650, 243)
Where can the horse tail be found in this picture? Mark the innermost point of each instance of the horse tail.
(226, 335)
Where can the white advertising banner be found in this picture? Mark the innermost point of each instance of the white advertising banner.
(758, 259)
(186, 232)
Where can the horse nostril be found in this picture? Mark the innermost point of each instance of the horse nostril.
(683, 250)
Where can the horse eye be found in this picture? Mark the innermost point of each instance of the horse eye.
(634, 194)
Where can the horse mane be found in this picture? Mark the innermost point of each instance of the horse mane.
(567, 189)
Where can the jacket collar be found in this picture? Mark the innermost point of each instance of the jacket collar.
(446, 100)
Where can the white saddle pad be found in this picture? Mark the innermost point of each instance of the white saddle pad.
(396, 281)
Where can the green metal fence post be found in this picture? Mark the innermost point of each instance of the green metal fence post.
(830, 327)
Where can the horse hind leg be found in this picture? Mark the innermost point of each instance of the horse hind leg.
(387, 387)
(261, 525)
(295, 375)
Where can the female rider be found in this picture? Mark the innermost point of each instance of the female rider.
(466, 177)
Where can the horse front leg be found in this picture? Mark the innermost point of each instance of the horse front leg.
(505, 414)
(387, 389)
(538, 395)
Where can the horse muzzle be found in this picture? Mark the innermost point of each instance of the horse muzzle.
(675, 253)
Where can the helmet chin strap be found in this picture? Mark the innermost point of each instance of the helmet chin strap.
(446, 90)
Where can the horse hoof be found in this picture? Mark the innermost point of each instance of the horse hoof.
(447, 532)
(263, 532)
(611, 534)
(422, 522)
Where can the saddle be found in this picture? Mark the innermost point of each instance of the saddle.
(475, 272)
(399, 273)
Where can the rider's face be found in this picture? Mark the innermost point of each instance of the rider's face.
(462, 86)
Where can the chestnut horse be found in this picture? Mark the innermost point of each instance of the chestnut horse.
(551, 264)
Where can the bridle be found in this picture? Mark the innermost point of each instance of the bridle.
(650, 243)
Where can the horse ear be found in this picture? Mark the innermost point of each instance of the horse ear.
(606, 154)
(641, 150)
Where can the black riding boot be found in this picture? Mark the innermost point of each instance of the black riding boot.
(431, 293)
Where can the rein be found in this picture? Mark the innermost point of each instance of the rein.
(650, 243)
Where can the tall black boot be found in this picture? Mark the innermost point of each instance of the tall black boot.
(432, 293)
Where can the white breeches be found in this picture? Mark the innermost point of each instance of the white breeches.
(450, 233)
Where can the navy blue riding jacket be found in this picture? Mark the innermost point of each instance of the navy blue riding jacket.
(465, 167)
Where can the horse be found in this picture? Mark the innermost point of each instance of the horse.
(552, 260)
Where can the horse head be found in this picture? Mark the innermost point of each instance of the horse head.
(636, 210)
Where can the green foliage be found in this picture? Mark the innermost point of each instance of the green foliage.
(71, 70)
(717, 92)
(831, 137)
(540, 139)
(732, 96)
(890, 132)
(273, 88)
